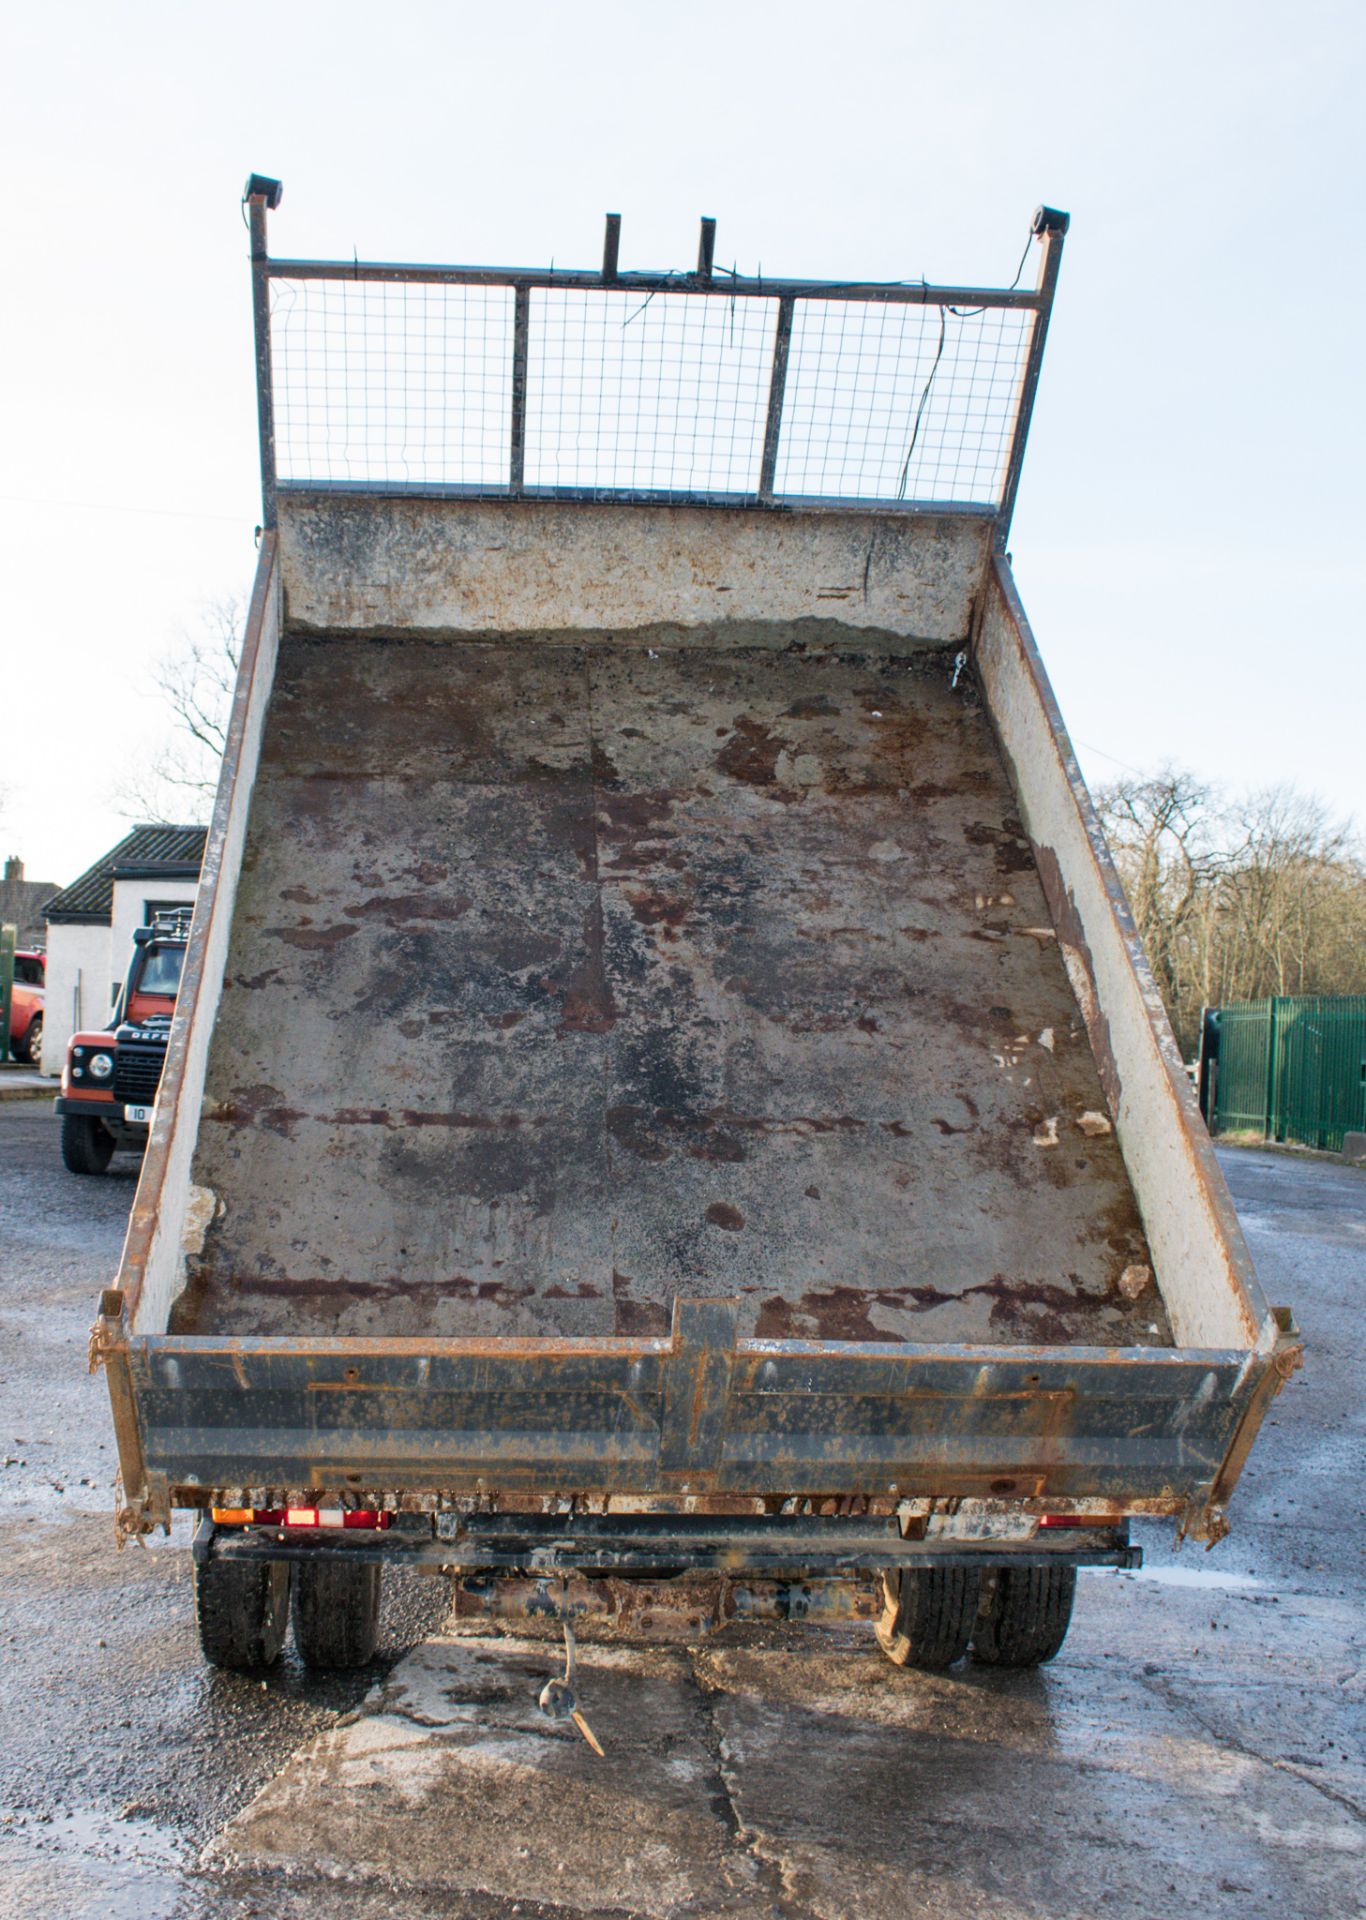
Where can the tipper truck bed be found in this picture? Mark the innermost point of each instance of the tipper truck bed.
(665, 1080)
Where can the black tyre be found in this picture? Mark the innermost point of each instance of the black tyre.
(242, 1607)
(1026, 1612)
(87, 1145)
(33, 1041)
(928, 1615)
(336, 1611)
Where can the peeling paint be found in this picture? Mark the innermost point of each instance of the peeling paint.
(200, 1209)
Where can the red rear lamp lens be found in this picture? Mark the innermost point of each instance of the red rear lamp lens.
(371, 1517)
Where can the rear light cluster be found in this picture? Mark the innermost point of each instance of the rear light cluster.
(1081, 1520)
(300, 1517)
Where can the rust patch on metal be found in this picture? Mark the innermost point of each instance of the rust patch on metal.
(252, 981)
(424, 1117)
(257, 1106)
(314, 939)
(394, 909)
(842, 1313)
(751, 754)
(658, 910)
(647, 1318)
(728, 1218)
(588, 1003)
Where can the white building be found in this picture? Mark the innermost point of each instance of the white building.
(90, 926)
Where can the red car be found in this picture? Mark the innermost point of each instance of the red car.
(26, 1006)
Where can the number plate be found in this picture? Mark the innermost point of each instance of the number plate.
(138, 1116)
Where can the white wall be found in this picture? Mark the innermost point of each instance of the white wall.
(77, 964)
(131, 898)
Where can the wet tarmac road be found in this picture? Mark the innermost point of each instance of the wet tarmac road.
(1198, 1744)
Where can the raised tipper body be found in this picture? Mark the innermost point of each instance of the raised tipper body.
(665, 1075)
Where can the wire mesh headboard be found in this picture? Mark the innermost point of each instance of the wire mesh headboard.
(703, 386)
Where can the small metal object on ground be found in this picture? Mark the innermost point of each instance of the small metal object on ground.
(557, 1699)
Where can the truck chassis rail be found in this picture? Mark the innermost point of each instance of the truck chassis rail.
(796, 1547)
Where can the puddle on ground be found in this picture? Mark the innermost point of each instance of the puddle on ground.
(98, 1866)
(106, 1835)
(1211, 1578)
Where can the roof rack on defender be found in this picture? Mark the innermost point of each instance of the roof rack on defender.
(169, 923)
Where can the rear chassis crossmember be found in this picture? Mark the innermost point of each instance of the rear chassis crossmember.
(662, 1545)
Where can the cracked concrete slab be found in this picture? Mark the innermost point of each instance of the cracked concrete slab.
(1093, 1787)
(451, 1778)
(799, 1774)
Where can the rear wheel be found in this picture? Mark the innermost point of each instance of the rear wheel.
(928, 1615)
(336, 1611)
(1025, 1615)
(33, 1042)
(87, 1145)
(242, 1607)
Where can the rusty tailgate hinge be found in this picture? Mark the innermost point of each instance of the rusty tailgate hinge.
(149, 1506)
(110, 1331)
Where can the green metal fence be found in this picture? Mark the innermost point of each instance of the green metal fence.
(1292, 1068)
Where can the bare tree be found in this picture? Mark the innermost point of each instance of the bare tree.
(1289, 884)
(1164, 831)
(1237, 899)
(178, 781)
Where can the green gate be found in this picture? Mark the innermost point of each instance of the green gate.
(1292, 1068)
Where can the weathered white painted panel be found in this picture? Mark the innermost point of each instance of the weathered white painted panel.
(1202, 1265)
(367, 564)
(165, 1207)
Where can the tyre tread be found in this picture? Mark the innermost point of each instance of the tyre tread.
(336, 1612)
(242, 1611)
(1026, 1620)
(86, 1145)
(928, 1616)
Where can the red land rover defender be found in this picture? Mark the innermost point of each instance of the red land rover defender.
(109, 1085)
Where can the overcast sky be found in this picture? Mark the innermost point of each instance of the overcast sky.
(1188, 538)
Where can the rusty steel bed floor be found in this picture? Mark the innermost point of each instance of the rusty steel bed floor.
(565, 979)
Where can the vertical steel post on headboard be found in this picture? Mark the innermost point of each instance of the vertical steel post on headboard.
(1050, 226)
(521, 342)
(777, 391)
(262, 193)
